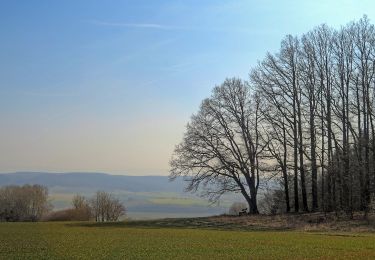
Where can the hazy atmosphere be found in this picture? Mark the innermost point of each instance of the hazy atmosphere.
(88, 86)
(186, 129)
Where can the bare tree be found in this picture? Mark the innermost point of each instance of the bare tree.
(277, 78)
(310, 92)
(81, 208)
(79, 201)
(221, 148)
(106, 208)
(23, 203)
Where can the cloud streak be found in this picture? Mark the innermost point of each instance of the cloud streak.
(154, 26)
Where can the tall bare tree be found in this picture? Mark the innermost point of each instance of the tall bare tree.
(221, 147)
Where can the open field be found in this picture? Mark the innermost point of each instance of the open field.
(182, 239)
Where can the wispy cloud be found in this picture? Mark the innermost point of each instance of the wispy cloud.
(179, 67)
(154, 26)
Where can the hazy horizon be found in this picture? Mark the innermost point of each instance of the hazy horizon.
(88, 172)
(91, 87)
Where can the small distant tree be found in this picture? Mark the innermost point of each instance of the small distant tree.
(106, 208)
(78, 201)
(81, 208)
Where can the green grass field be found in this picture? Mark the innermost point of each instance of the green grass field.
(137, 241)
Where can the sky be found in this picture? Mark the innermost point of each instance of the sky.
(109, 86)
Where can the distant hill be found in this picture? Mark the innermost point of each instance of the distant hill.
(98, 181)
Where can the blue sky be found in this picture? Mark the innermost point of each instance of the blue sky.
(109, 85)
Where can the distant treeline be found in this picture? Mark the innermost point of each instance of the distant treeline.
(31, 203)
(306, 116)
(101, 207)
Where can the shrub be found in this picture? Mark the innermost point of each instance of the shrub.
(237, 207)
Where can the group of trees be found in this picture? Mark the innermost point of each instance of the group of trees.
(105, 207)
(23, 203)
(31, 203)
(305, 116)
(101, 207)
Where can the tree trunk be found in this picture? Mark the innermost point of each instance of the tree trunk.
(314, 170)
(301, 161)
(285, 171)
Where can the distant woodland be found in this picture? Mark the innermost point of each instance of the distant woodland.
(305, 117)
(31, 203)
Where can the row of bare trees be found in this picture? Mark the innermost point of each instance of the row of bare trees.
(101, 207)
(306, 116)
(23, 203)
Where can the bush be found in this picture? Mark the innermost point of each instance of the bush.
(272, 202)
(71, 214)
(236, 208)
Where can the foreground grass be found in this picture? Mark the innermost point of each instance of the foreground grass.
(134, 241)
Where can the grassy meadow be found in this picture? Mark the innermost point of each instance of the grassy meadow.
(153, 240)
